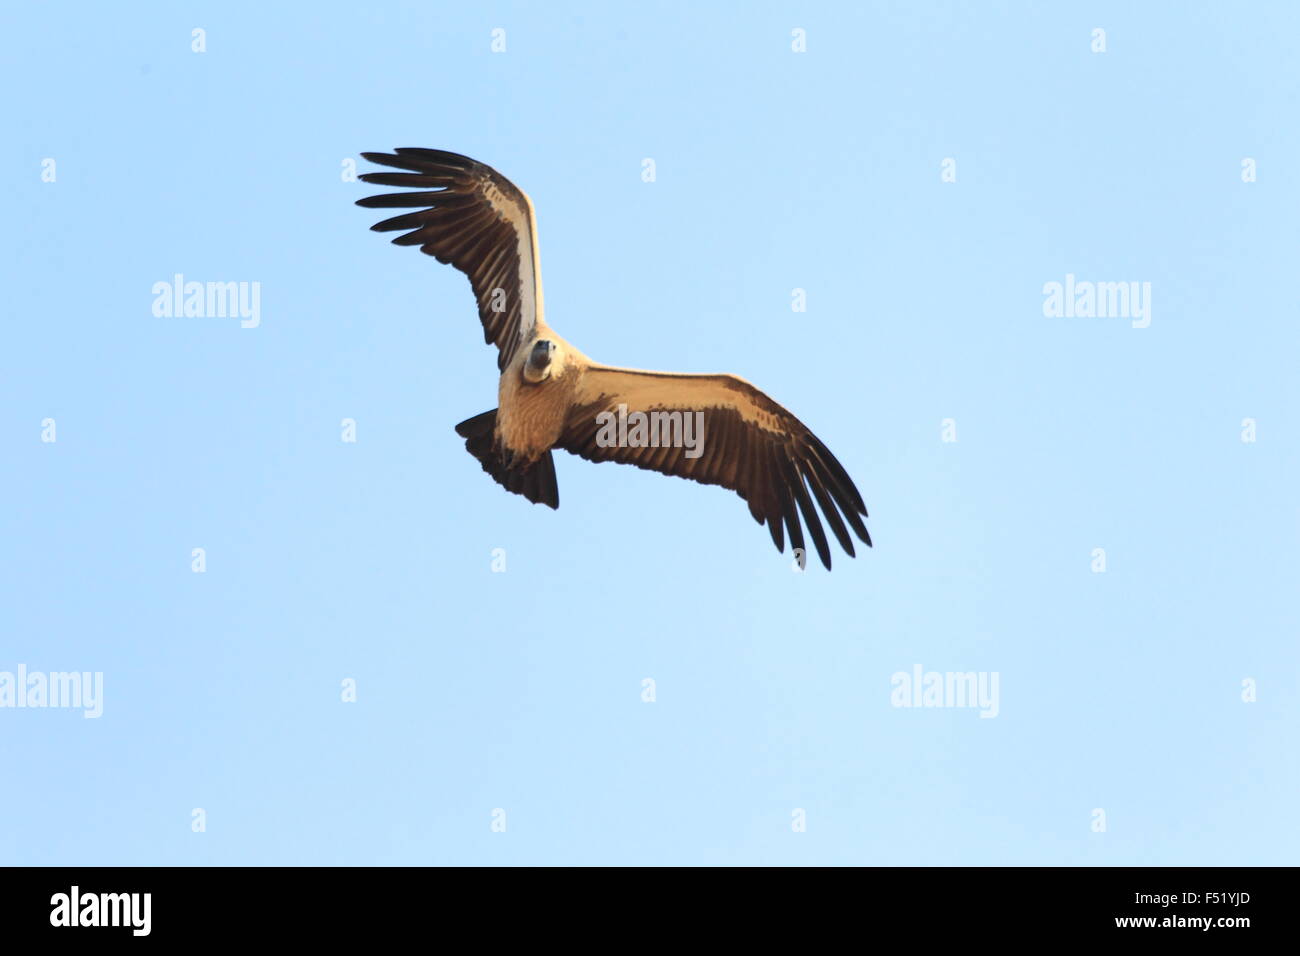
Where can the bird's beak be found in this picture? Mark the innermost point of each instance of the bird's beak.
(540, 356)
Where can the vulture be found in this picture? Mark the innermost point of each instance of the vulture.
(714, 429)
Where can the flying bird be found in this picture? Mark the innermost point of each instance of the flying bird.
(714, 429)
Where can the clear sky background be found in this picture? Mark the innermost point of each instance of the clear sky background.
(1120, 691)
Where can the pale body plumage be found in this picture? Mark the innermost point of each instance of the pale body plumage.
(531, 416)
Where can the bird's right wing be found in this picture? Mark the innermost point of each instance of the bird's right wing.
(475, 219)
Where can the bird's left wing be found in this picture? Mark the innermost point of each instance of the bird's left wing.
(476, 220)
(743, 440)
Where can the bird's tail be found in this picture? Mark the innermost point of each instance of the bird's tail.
(534, 480)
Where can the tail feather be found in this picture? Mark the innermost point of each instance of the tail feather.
(535, 480)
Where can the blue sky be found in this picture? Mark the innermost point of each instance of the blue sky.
(1119, 691)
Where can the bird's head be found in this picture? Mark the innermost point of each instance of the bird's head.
(538, 366)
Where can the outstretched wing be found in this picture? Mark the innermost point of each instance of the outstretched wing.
(475, 219)
(749, 444)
